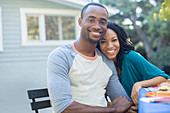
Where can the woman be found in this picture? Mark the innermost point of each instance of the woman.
(134, 71)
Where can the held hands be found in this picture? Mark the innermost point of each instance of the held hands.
(121, 104)
(135, 92)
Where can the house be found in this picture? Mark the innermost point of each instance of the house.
(29, 31)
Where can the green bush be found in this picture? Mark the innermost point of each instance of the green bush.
(161, 57)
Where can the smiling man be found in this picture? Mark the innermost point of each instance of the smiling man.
(79, 75)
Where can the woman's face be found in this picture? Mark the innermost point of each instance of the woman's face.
(110, 45)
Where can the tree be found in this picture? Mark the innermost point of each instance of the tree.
(153, 34)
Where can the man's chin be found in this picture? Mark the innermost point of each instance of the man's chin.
(94, 41)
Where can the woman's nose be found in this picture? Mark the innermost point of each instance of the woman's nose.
(110, 45)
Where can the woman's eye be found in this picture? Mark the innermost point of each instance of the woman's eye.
(114, 40)
(102, 42)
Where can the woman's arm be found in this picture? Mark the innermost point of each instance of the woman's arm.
(145, 83)
(146, 71)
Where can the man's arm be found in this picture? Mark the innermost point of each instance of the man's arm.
(76, 107)
(58, 81)
(120, 105)
(115, 92)
(114, 89)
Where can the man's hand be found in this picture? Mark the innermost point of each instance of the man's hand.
(121, 104)
(135, 92)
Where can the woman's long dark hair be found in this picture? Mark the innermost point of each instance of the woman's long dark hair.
(125, 43)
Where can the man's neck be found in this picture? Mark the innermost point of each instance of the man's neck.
(85, 48)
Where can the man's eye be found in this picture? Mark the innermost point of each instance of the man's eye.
(91, 20)
(103, 23)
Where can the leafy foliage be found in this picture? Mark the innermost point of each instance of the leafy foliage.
(144, 32)
(164, 12)
(141, 27)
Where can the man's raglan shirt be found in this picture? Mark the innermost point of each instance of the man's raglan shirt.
(72, 76)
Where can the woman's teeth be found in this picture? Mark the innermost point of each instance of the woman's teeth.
(111, 51)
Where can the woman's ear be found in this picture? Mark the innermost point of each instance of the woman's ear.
(80, 21)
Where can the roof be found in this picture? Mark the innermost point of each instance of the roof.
(78, 4)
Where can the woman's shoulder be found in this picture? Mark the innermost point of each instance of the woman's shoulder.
(131, 54)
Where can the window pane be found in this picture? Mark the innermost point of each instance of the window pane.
(68, 25)
(33, 27)
(51, 25)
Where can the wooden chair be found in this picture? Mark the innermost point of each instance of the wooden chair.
(39, 100)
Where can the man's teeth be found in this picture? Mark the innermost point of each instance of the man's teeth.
(96, 33)
(111, 51)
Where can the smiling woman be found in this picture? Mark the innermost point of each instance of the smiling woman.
(110, 44)
(134, 70)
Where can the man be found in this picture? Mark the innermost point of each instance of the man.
(79, 75)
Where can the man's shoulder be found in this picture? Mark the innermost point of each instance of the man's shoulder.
(107, 61)
(61, 51)
(102, 55)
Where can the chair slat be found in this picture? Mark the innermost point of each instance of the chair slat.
(38, 93)
(40, 104)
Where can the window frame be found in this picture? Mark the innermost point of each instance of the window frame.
(42, 13)
(1, 38)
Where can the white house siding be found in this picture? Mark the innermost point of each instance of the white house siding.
(21, 67)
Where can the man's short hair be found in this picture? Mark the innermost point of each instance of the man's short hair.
(92, 3)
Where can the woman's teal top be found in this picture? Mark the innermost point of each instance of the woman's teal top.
(136, 68)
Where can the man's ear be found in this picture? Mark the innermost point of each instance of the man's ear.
(80, 21)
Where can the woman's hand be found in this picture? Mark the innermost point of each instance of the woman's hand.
(145, 83)
(133, 109)
(135, 92)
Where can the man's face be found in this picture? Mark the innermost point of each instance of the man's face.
(93, 23)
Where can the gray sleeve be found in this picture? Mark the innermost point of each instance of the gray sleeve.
(114, 87)
(58, 82)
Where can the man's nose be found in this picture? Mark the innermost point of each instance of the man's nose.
(97, 26)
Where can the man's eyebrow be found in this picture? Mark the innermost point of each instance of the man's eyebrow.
(92, 17)
(104, 19)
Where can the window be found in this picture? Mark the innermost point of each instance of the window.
(49, 26)
(1, 39)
